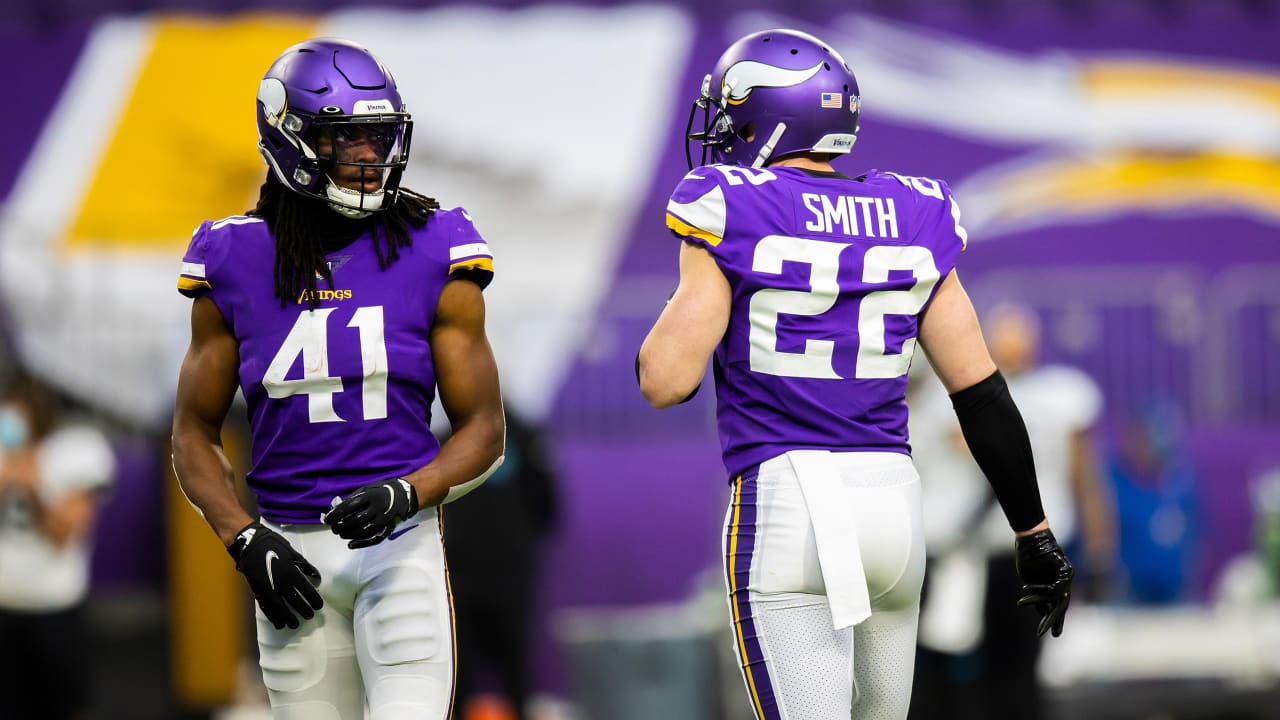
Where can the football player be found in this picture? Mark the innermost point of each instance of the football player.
(338, 305)
(811, 288)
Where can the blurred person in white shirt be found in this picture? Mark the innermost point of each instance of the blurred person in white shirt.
(971, 565)
(52, 479)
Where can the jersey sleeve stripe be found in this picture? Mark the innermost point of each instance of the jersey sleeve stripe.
(193, 270)
(960, 231)
(189, 286)
(705, 214)
(481, 263)
(470, 250)
(235, 220)
(684, 229)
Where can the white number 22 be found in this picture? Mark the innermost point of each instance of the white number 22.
(309, 338)
(823, 258)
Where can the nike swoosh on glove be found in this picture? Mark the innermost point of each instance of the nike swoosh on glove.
(282, 581)
(1046, 578)
(371, 513)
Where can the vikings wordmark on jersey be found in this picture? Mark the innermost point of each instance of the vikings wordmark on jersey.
(829, 276)
(361, 357)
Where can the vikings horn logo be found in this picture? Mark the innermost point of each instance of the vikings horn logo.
(745, 76)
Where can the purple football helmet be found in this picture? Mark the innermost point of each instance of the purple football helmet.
(775, 93)
(332, 126)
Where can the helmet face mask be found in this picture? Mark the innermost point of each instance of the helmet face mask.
(772, 94)
(359, 155)
(332, 126)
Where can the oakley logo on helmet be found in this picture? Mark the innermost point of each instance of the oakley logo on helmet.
(748, 75)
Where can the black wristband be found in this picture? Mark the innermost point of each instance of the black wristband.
(243, 538)
(997, 438)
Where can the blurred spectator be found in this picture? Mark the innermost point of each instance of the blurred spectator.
(1252, 579)
(493, 540)
(978, 658)
(1266, 504)
(52, 478)
(1154, 483)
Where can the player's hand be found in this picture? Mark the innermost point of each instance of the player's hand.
(1046, 578)
(283, 582)
(371, 513)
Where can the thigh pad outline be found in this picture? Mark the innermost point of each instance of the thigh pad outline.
(405, 617)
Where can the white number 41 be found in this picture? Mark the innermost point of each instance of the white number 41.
(309, 338)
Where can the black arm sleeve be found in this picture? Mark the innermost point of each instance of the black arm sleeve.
(997, 437)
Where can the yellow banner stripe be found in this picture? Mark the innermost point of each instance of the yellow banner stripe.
(680, 227)
(185, 148)
(1190, 83)
(1136, 181)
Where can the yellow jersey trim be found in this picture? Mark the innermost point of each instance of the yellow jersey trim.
(472, 264)
(683, 228)
(189, 285)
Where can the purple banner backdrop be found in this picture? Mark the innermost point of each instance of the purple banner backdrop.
(643, 491)
(39, 60)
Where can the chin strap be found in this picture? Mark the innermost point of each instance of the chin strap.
(767, 149)
(340, 199)
(352, 213)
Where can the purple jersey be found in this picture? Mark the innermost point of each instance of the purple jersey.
(829, 276)
(339, 396)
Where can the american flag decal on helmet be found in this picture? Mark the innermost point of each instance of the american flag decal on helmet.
(832, 100)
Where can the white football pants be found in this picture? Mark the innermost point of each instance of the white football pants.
(796, 664)
(385, 632)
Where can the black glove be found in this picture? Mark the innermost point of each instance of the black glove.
(368, 515)
(1046, 578)
(283, 582)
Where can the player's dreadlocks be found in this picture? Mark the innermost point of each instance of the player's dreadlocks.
(304, 230)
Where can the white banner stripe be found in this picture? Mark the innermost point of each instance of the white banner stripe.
(192, 269)
(471, 250)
